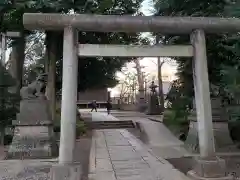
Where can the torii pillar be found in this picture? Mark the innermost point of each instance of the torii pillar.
(209, 166)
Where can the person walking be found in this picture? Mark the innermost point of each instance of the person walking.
(109, 106)
(94, 106)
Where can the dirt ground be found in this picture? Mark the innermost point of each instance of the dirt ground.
(2, 152)
(82, 153)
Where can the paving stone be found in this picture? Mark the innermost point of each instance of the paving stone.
(101, 144)
(98, 133)
(102, 153)
(118, 143)
(120, 149)
(132, 164)
(103, 165)
(152, 162)
(103, 176)
(130, 172)
(136, 177)
(121, 156)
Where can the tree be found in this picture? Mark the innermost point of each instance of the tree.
(215, 51)
(128, 85)
(8, 101)
(103, 68)
(140, 80)
(160, 62)
(93, 72)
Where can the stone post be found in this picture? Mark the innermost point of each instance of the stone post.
(3, 48)
(202, 94)
(69, 96)
(67, 169)
(208, 166)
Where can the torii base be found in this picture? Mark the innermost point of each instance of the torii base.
(212, 168)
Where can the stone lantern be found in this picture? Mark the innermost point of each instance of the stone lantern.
(153, 105)
(153, 87)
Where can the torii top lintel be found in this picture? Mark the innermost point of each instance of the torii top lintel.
(126, 23)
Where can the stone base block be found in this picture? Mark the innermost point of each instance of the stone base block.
(210, 168)
(66, 172)
(222, 139)
(31, 142)
(194, 176)
(153, 106)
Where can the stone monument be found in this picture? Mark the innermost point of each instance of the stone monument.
(153, 104)
(223, 141)
(33, 134)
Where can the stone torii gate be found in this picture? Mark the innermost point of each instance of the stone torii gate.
(209, 166)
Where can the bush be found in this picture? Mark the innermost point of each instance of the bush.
(80, 125)
(56, 128)
(7, 140)
(177, 122)
(81, 128)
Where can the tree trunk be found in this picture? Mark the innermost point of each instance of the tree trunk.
(160, 85)
(139, 76)
(50, 66)
(16, 58)
(46, 62)
(141, 98)
(2, 131)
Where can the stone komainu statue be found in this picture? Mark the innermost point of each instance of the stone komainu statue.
(36, 89)
(33, 134)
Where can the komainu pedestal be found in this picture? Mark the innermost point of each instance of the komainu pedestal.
(223, 141)
(33, 135)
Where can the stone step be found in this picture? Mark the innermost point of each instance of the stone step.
(110, 124)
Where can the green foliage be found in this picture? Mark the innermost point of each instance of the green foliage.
(231, 86)
(233, 9)
(216, 51)
(190, 7)
(180, 103)
(182, 91)
(8, 101)
(176, 120)
(222, 52)
(81, 128)
(7, 140)
(93, 72)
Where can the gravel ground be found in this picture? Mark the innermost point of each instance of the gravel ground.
(40, 170)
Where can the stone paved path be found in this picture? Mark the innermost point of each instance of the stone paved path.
(160, 139)
(118, 155)
(154, 134)
(103, 116)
